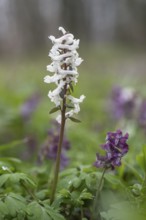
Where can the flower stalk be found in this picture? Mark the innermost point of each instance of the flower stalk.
(99, 185)
(95, 206)
(65, 60)
(57, 166)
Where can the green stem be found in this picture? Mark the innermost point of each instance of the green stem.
(57, 166)
(95, 208)
(100, 183)
(28, 191)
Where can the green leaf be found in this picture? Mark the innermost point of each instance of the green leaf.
(43, 212)
(15, 204)
(69, 106)
(37, 212)
(42, 194)
(15, 178)
(54, 214)
(74, 119)
(55, 109)
(75, 198)
(3, 209)
(91, 181)
(11, 145)
(71, 87)
(29, 182)
(105, 215)
(21, 215)
(8, 164)
(122, 211)
(114, 180)
(141, 158)
(3, 179)
(134, 171)
(17, 197)
(76, 182)
(68, 172)
(10, 159)
(65, 193)
(85, 195)
(5, 169)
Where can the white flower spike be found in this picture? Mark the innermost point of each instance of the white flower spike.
(65, 60)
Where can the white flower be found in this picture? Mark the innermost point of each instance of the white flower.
(76, 105)
(75, 100)
(51, 79)
(55, 94)
(62, 29)
(65, 60)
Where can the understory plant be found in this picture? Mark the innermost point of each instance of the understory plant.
(108, 189)
(65, 61)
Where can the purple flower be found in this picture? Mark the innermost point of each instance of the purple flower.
(115, 148)
(142, 115)
(29, 106)
(123, 102)
(49, 148)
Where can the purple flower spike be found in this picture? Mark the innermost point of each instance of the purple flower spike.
(49, 149)
(142, 115)
(115, 148)
(123, 102)
(29, 106)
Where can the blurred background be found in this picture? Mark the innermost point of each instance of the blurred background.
(25, 24)
(112, 37)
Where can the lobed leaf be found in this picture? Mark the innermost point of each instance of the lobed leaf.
(3, 209)
(36, 211)
(16, 178)
(15, 204)
(42, 212)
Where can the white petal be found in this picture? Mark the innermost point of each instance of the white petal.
(78, 61)
(60, 57)
(47, 79)
(50, 68)
(77, 108)
(51, 79)
(76, 100)
(62, 29)
(55, 99)
(69, 113)
(82, 97)
(58, 119)
(52, 38)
